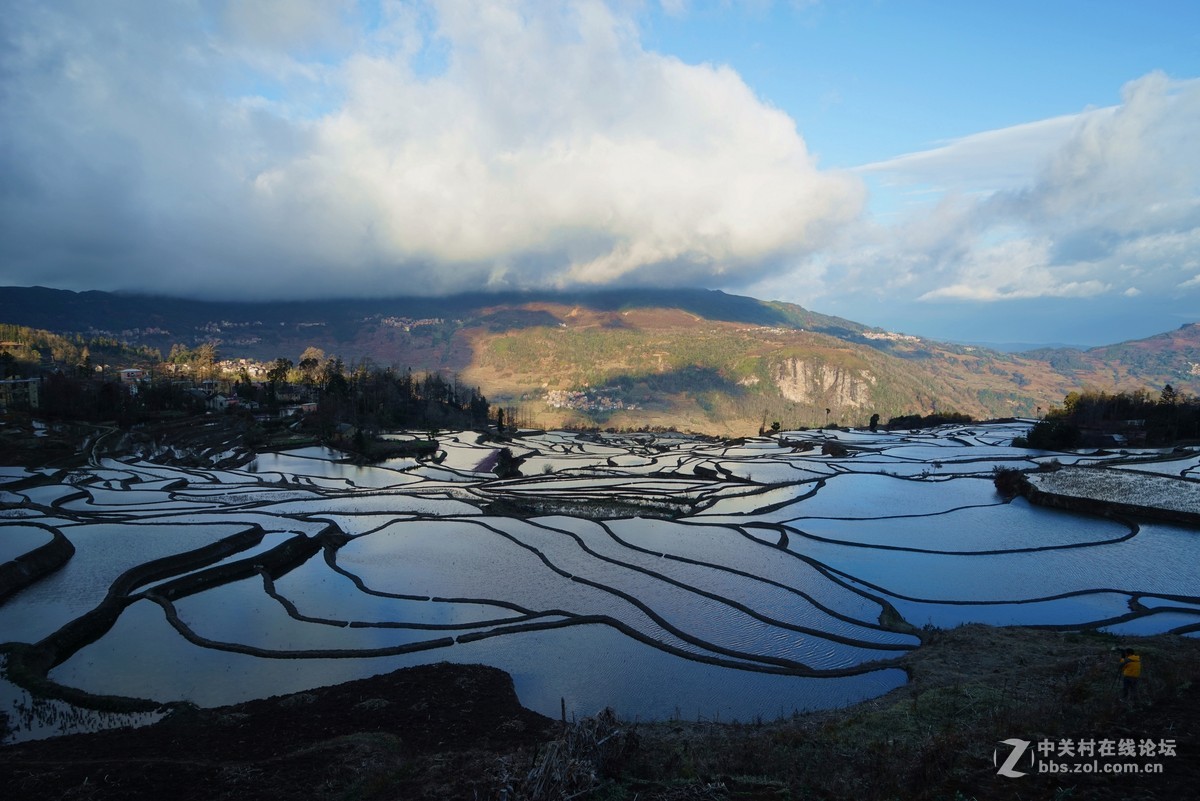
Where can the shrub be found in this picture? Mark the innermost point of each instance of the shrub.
(1008, 481)
(929, 420)
(1052, 435)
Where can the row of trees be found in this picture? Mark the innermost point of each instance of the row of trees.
(1158, 420)
(369, 399)
(365, 397)
(372, 399)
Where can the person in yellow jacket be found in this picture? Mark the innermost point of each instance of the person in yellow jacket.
(1131, 672)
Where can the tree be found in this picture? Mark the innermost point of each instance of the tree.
(278, 374)
(244, 387)
(337, 385)
(1169, 396)
(180, 355)
(310, 365)
(1071, 402)
(333, 370)
(206, 361)
(1051, 435)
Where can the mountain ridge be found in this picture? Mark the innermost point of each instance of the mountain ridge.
(698, 359)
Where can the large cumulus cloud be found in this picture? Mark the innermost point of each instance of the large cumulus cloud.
(307, 148)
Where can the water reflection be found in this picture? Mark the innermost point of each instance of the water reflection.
(768, 592)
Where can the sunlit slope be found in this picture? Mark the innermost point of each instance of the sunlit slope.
(674, 367)
(1169, 358)
(647, 365)
(689, 358)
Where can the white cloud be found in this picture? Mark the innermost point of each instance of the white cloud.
(449, 146)
(288, 24)
(985, 162)
(1073, 207)
(302, 148)
(1133, 171)
(1012, 270)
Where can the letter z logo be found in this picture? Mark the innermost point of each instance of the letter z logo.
(1018, 750)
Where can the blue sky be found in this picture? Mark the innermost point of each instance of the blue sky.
(867, 80)
(978, 171)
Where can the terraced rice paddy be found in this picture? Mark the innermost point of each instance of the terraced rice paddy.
(661, 575)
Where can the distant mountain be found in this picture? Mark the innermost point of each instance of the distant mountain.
(1019, 347)
(1173, 356)
(696, 359)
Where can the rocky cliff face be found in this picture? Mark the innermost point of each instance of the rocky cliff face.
(803, 381)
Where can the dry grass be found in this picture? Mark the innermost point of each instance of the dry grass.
(931, 739)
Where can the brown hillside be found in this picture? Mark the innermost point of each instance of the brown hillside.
(694, 359)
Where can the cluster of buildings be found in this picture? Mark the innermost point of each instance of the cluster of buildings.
(25, 393)
(127, 334)
(586, 400)
(891, 336)
(221, 326)
(20, 393)
(408, 323)
(256, 370)
(220, 402)
(218, 333)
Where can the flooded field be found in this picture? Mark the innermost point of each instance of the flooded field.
(662, 575)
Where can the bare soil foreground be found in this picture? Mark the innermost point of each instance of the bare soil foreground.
(449, 731)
